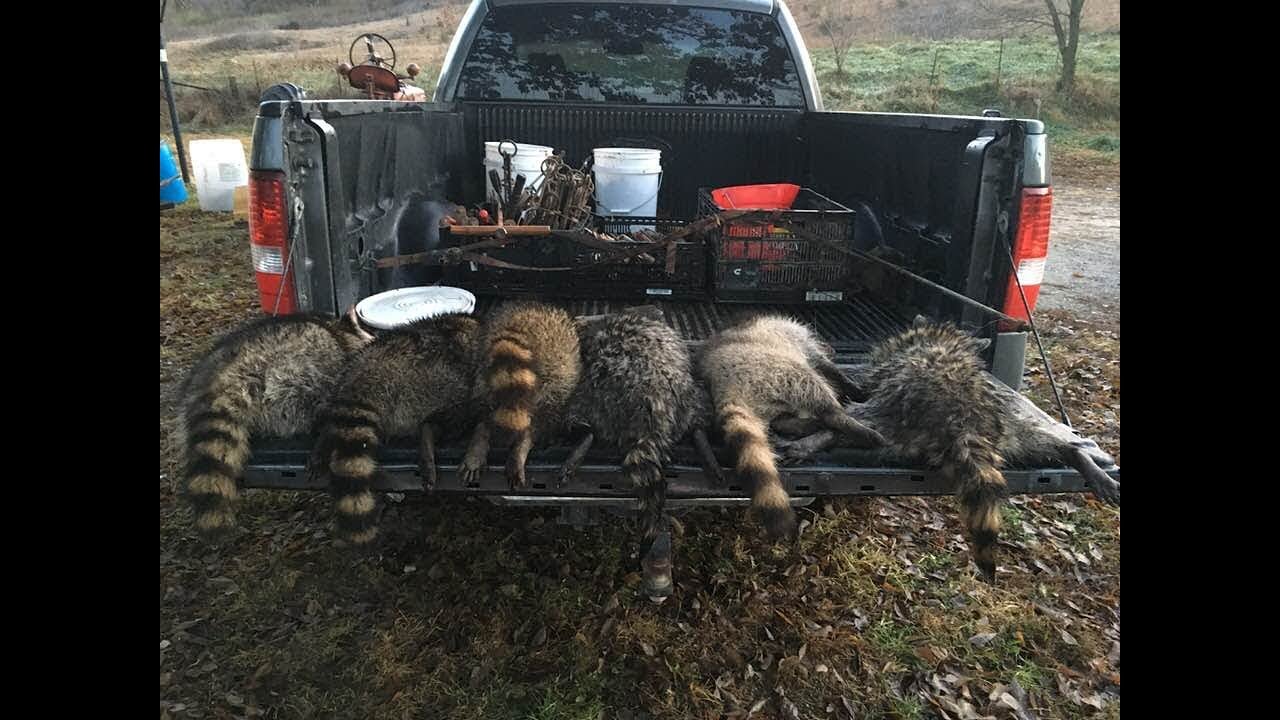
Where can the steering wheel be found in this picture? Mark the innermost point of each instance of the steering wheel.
(372, 57)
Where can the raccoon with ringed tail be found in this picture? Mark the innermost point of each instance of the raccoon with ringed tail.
(931, 398)
(756, 371)
(413, 381)
(529, 367)
(637, 395)
(264, 379)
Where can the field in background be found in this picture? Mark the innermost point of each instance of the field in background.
(236, 61)
(959, 77)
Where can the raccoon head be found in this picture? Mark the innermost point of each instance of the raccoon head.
(350, 334)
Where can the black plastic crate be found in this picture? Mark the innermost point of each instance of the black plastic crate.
(636, 278)
(643, 276)
(755, 261)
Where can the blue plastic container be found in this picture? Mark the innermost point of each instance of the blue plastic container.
(172, 189)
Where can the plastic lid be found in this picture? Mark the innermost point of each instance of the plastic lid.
(396, 308)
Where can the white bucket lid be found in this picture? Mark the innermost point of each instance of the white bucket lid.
(522, 150)
(626, 153)
(396, 308)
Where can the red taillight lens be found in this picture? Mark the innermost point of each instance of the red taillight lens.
(269, 242)
(1030, 248)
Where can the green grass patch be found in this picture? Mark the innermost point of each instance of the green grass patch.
(903, 77)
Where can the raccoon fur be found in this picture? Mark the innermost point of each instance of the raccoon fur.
(264, 379)
(411, 382)
(931, 398)
(529, 368)
(638, 396)
(756, 371)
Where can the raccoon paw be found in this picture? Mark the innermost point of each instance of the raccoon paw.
(792, 452)
(865, 437)
(1106, 489)
(515, 475)
(427, 466)
(470, 472)
(315, 467)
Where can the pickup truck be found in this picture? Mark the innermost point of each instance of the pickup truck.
(726, 89)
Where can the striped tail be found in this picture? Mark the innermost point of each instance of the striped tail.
(347, 452)
(974, 465)
(512, 382)
(217, 447)
(642, 467)
(748, 436)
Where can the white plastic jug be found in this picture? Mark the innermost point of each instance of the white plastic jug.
(527, 161)
(627, 182)
(220, 168)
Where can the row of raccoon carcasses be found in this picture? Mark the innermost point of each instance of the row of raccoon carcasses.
(530, 373)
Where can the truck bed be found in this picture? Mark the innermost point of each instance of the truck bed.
(851, 327)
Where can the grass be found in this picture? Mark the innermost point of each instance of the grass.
(900, 77)
(202, 19)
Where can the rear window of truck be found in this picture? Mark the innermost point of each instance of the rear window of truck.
(634, 54)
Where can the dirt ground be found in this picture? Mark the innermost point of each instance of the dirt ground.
(472, 611)
(1082, 274)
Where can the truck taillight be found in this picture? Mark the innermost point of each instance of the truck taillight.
(1030, 248)
(268, 242)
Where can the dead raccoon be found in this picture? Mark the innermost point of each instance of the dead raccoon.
(411, 382)
(932, 400)
(637, 394)
(264, 379)
(530, 366)
(756, 371)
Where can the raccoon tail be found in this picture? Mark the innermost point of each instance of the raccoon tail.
(512, 380)
(642, 467)
(347, 452)
(217, 447)
(748, 436)
(974, 465)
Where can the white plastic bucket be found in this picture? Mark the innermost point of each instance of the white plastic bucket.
(527, 161)
(219, 168)
(627, 182)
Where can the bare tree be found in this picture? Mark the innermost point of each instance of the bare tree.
(1062, 16)
(835, 20)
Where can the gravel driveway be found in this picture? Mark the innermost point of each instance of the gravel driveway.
(1082, 274)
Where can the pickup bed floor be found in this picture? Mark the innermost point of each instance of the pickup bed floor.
(850, 326)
